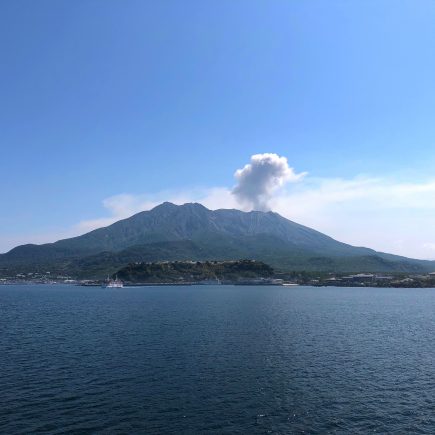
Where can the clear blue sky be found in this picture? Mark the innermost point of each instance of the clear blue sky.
(105, 97)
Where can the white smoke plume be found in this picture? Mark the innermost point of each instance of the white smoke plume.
(258, 180)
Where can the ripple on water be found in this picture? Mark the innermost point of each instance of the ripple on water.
(216, 360)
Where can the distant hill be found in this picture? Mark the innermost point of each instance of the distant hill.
(192, 232)
(192, 271)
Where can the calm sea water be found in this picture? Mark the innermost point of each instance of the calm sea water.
(216, 359)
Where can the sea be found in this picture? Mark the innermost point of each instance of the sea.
(216, 360)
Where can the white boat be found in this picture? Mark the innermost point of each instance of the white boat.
(113, 283)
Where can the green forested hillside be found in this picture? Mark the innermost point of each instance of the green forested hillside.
(190, 271)
(192, 232)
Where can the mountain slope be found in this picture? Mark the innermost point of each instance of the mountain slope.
(191, 231)
(169, 222)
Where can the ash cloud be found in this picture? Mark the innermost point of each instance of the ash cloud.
(258, 180)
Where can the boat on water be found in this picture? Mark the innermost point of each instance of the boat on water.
(113, 283)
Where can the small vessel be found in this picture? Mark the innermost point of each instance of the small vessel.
(113, 283)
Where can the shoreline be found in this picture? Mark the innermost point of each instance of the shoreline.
(198, 284)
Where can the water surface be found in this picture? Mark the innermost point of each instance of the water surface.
(216, 359)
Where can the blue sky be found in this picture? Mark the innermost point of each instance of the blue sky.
(145, 98)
